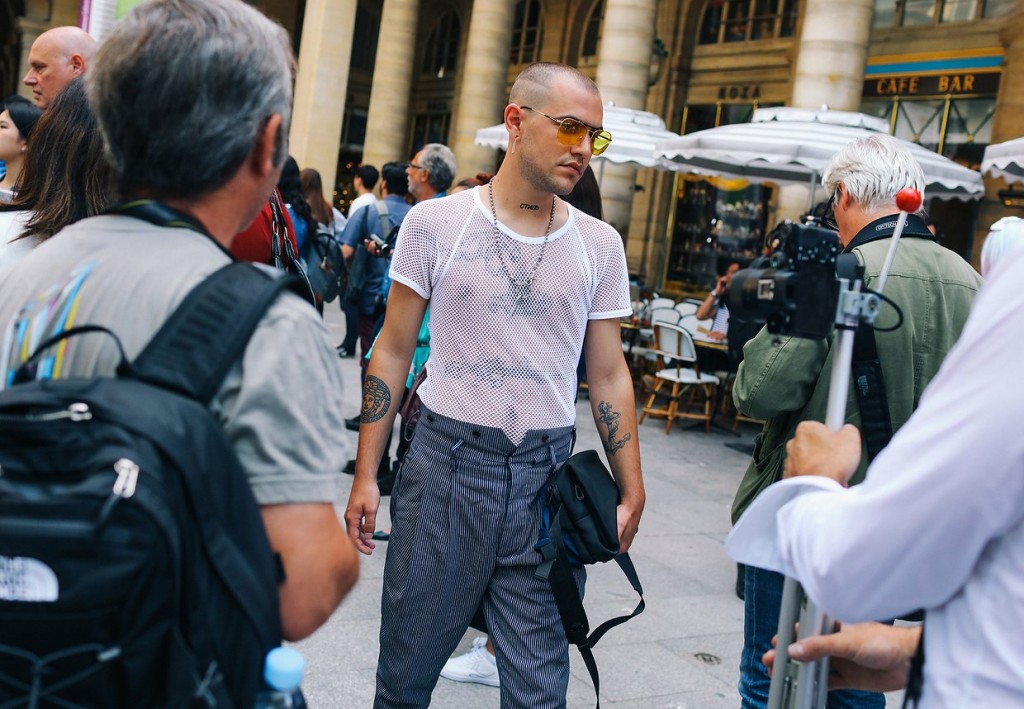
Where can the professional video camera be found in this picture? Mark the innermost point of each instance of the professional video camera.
(798, 294)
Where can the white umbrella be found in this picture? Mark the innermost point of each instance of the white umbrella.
(634, 136)
(1005, 160)
(795, 145)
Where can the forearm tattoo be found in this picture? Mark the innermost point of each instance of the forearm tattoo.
(611, 419)
(376, 400)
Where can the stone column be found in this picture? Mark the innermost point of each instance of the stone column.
(482, 91)
(321, 85)
(623, 66)
(833, 51)
(1007, 125)
(387, 120)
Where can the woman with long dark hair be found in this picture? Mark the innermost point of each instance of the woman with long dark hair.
(65, 177)
(290, 186)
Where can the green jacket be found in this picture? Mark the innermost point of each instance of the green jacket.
(786, 379)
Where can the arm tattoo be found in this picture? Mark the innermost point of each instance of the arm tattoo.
(611, 419)
(376, 400)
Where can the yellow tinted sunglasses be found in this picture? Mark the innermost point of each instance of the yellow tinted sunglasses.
(571, 132)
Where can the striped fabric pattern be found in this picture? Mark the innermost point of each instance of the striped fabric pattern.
(465, 518)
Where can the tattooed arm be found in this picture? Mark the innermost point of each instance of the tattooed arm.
(382, 395)
(611, 398)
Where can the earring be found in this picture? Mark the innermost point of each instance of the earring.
(514, 141)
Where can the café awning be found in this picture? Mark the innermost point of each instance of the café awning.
(794, 145)
(1005, 160)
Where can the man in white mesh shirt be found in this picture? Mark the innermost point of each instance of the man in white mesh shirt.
(515, 278)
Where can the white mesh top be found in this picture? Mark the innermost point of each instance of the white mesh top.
(499, 357)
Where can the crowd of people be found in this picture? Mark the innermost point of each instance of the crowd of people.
(502, 288)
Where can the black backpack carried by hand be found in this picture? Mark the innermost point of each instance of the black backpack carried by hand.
(135, 569)
(579, 526)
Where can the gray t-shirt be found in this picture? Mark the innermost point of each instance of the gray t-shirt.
(280, 407)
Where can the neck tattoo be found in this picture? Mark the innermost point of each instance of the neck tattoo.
(522, 285)
(530, 207)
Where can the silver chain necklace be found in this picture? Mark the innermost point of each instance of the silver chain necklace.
(521, 286)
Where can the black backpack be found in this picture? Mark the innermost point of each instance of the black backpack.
(325, 266)
(579, 526)
(135, 570)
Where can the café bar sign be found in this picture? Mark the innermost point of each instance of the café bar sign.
(934, 74)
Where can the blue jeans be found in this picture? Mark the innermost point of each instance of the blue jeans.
(762, 599)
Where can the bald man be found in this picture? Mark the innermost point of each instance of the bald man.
(57, 56)
(516, 281)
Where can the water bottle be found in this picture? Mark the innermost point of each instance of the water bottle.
(282, 674)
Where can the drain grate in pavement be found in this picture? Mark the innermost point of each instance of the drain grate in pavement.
(708, 659)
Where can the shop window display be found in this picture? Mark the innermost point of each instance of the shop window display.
(716, 221)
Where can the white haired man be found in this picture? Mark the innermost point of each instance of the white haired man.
(955, 550)
(514, 278)
(786, 380)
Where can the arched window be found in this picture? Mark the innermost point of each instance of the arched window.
(747, 20)
(364, 39)
(592, 34)
(443, 46)
(527, 32)
(916, 13)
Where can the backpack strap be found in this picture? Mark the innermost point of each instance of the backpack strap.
(385, 219)
(204, 337)
(869, 385)
(558, 573)
(866, 370)
(915, 676)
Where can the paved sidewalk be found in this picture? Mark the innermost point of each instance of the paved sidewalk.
(681, 653)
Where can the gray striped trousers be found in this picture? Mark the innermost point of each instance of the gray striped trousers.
(465, 516)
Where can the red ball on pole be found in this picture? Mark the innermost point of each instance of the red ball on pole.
(908, 200)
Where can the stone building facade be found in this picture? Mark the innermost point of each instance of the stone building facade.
(379, 78)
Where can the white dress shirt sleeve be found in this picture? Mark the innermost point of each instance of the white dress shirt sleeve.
(950, 482)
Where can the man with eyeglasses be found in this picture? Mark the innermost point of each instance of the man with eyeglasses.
(786, 380)
(517, 283)
(431, 171)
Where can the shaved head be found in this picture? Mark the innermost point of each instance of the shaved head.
(537, 81)
(57, 56)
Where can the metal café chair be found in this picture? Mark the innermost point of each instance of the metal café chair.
(677, 355)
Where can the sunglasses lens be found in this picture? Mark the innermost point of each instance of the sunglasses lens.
(571, 132)
(602, 139)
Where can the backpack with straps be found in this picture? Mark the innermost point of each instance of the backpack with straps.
(579, 526)
(358, 269)
(325, 266)
(135, 569)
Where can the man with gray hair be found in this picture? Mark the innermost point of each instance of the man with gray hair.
(195, 122)
(431, 171)
(786, 379)
(56, 57)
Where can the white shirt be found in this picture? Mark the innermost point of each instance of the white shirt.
(12, 249)
(504, 356)
(939, 521)
(363, 200)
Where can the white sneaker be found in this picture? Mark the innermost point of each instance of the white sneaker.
(477, 665)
